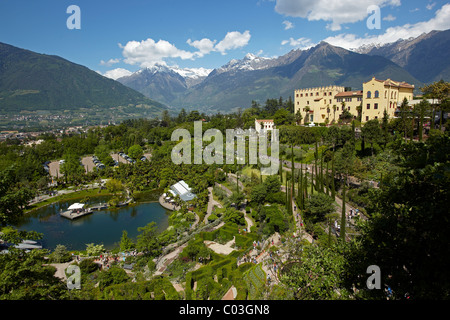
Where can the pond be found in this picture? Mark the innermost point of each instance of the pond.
(101, 227)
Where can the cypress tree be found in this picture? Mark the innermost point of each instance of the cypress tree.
(343, 220)
(327, 182)
(292, 170)
(333, 190)
(321, 174)
(306, 185)
(300, 186)
(287, 191)
(281, 171)
(316, 155)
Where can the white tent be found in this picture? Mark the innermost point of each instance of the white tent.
(76, 206)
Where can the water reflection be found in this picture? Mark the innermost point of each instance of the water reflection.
(101, 227)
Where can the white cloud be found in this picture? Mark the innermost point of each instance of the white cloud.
(336, 12)
(288, 25)
(389, 17)
(301, 43)
(147, 53)
(430, 6)
(233, 40)
(117, 73)
(204, 46)
(109, 63)
(441, 21)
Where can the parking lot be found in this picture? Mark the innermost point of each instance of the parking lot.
(87, 162)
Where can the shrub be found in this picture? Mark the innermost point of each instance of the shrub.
(88, 266)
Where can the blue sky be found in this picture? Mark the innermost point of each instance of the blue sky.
(129, 35)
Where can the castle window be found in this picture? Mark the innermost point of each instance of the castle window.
(377, 94)
(369, 94)
(368, 106)
(375, 106)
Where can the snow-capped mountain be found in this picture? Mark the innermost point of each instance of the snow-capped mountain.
(249, 63)
(238, 82)
(193, 74)
(425, 57)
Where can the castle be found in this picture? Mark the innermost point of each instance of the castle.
(326, 104)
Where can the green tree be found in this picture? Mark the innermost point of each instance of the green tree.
(422, 109)
(385, 129)
(298, 117)
(234, 216)
(282, 117)
(94, 250)
(258, 194)
(318, 206)
(112, 276)
(147, 240)
(312, 273)
(182, 116)
(405, 111)
(25, 276)
(126, 243)
(60, 254)
(371, 132)
(272, 184)
(13, 197)
(135, 152)
(407, 236)
(72, 169)
(440, 91)
(114, 186)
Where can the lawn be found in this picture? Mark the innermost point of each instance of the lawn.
(68, 196)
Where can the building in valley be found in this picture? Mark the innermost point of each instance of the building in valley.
(380, 95)
(268, 125)
(326, 104)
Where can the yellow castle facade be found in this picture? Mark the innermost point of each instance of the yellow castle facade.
(326, 104)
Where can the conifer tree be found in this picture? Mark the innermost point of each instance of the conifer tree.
(343, 220)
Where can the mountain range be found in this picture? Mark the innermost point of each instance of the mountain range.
(32, 81)
(417, 61)
(425, 57)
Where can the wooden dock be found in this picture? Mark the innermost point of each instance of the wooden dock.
(79, 210)
(74, 215)
(100, 206)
